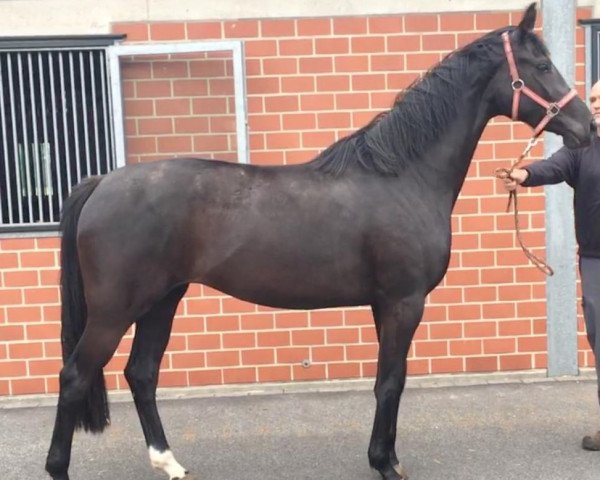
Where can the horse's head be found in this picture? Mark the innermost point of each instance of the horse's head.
(528, 87)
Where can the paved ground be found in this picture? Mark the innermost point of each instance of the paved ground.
(521, 431)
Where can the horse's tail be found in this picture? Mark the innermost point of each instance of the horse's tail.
(93, 415)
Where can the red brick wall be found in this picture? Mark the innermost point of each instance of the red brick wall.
(309, 82)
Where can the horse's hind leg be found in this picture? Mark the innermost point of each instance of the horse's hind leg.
(396, 323)
(93, 351)
(151, 337)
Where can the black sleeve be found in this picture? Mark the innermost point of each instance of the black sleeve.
(562, 166)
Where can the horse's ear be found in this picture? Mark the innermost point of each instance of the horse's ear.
(528, 20)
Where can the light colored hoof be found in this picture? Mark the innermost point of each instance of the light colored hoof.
(166, 462)
(400, 470)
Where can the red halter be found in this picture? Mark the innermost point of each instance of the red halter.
(518, 86)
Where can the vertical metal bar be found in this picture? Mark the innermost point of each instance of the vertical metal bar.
(48, 192)
(13, 118)
(93, 53)
(59, 193)
(65, 126)
(108, 145)
(241, 116)
(86, 140)
(29, 190)
(5, 150)
(559, 34)
(35, 151)
(117, 106)
(75, 118)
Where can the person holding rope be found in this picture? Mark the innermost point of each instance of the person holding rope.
(580, 168)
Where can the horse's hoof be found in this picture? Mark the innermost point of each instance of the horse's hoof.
(400, 470)
(591, 443)
(395, 472)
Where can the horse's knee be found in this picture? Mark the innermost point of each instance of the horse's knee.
(142, 381)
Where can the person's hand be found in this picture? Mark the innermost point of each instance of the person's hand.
(516, 177)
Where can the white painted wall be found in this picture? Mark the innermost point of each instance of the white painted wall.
(78, 17)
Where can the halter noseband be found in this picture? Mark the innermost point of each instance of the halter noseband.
(518, 86)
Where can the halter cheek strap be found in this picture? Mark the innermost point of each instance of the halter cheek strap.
(518, 86)
(552, 109)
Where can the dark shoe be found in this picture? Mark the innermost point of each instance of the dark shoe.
(591, 443)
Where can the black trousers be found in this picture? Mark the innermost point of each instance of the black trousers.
(589, 269)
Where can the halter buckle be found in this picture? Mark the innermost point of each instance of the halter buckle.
(517, 84)
(553, 110)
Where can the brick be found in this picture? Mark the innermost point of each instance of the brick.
(167, 31)
(204, 341)
(204, 30)
(361, 352)
(367, 44)
(280, 66)
(222, 323)
(333, 83)
(175, 144)
(25, 386)
(343, 370)
(273, 338)
(187, 360)
(298, 121)
(9, 260)
(296, 47)
(260, 356)
(332, 46)
(421, 23)
(457, 22)
(195, 87)
(275, 373)
(315, 65)
(175, 106)
(23, 314)
(239, 340)
(41, 296)
(259, 49)
(342, 335)
(13, 368)
(173, 379)
(239, 375)
(314, 372)
(44, 367)
(205, 377)
(11, 297)
(349, 26)
(292, 354)
(385, 24)
(298, 84)
(192, 125)
(481, 364)
(350, 64)
(447, 365)
(25, 350)
(312, 27)
(222, 359)
(21, 278)
(135, 31)
(240, 28)
(326, 318)
(11, 332)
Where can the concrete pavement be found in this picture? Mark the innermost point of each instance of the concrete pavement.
(521, 431)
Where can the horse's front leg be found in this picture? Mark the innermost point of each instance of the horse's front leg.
(396, 322)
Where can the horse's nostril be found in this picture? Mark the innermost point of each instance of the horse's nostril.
(593, 126)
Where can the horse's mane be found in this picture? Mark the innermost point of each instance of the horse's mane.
(394, 137)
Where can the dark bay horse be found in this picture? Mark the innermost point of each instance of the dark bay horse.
(367, 222)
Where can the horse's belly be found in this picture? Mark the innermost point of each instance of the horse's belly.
(287, 283)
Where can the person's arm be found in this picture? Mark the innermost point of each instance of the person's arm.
(560, 167)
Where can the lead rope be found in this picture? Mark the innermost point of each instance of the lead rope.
(502, 173)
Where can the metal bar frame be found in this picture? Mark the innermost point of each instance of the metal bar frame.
(241, 108)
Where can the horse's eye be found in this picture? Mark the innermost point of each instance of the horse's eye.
(544, 67)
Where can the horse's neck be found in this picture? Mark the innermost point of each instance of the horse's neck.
(449, 159)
